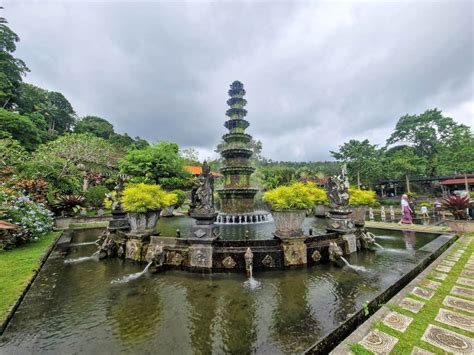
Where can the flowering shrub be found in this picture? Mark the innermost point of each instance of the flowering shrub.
(142, 197)
(33, 219)
(297, 196)
(361, 197)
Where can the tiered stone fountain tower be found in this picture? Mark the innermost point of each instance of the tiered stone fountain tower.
(237, 196)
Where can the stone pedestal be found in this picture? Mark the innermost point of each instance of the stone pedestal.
(134, 248)
(350, 245)
(294, 251)
(200, 254)
(119, 221)
(339, 221)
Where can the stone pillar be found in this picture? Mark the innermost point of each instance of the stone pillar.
(339, 221)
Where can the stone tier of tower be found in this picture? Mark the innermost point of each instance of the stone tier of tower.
(237, 196)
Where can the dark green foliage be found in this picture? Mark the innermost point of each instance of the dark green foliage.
(159, 164)
(95, 196)
(427, 133)
(96, 126)
(19, 127)
(181, 195)
(11, 69)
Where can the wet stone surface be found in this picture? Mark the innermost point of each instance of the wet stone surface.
(459, 303)
(397, 321)
(378, 342)
(448, 341)
(455, 319)
(422, 293)
(411, 305)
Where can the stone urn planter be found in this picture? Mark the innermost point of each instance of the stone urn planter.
(358, 214)
(143, 222)
(289, 223)
(168, 212)
(460, 225)
(320, 210)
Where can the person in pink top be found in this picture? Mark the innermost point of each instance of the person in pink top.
(406, 211)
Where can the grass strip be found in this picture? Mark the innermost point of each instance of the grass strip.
(18, 267)
(412, 336)
(103, 224)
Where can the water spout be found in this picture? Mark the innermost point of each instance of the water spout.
(94, 256)
(353, 267)
(251, 283)
(131, 277)
(377, 244)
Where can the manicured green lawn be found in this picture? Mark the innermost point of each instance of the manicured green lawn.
(88, 225)
(17, 267)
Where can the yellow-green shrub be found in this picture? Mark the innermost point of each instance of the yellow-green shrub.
(297, 196)
(144, 197)
(361, 197)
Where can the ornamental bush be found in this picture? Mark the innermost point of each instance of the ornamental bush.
(180, 196)
(362, 197)
(95, 196)
(33, 219)
(297, 196)
(144, 197)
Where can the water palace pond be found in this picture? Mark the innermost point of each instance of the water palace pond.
(76, 307)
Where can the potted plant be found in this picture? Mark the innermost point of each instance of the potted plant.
(143, 204)
(180, 199)
(288, 206)
(321, 202)
(359, 200)
(458, 206)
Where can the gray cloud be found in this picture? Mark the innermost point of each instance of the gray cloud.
(316, 75)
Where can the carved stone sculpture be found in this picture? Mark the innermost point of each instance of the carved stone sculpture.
(338, 190)
(335, 252)
(202, 200)
(248, 256)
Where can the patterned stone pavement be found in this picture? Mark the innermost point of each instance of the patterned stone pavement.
(451, 328)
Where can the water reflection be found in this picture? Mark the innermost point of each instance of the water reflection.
(73, 308)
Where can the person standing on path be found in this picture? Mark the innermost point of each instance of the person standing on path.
(406, 211)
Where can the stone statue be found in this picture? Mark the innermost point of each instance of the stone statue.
(338, 190)
(118, 190)
(202, 199)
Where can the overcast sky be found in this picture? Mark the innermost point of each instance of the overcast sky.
(316, 74)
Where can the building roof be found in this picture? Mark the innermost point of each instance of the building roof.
(197, 170)
(6, 225)
(458, 181)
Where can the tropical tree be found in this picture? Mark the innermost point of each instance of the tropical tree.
(96, 126)
(426, 133)
(456, 155)
(11, 69)
(21, 128)
(159, 164)
(403, 161)
(75, 155)
(362, 158)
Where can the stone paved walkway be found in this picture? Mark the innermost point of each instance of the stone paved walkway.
(436, 316)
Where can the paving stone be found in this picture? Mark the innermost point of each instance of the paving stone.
(459, 303)
(467, 273)
(456, 320)
(443, 268)
(465, 281)
(397, 321)
(378, 342)
(448, 341)
(419, 351)
(447, 262)
(462, 291)
(421, 292)
(469, 267)
(430, 284)
(438, 275)
(411, 305)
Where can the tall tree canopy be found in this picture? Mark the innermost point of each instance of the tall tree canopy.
(11, 69)
(160, 163)
(426, 133)
(97, 126)
(21, 128)
(362, 158)
(402, 162)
